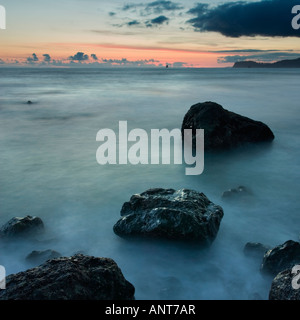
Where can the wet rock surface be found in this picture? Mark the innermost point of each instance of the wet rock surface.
(171, 214)
(281, 257)
(282, 286)
(79, 277)
(224, 129)
(22, 227)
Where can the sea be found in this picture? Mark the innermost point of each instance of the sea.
(48, 168)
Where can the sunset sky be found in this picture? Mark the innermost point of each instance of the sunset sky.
(137, 33)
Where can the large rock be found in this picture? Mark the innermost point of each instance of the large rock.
(78, 277)
(22, 227)
(167, 213)
(224, 129)
(282, 287)
(281, 257)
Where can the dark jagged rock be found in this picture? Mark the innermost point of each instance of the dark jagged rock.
(281, 257)
(78, 277)
(282, 287)
(22, 227)
(166, 213)
(38, 257)
(255, 249)
(224, 129)
(238, 192)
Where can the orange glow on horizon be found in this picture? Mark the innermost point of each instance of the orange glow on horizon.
(62, 51)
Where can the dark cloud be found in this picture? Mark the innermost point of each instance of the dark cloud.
(127, 7)
(94, 57)
(35, 58)
(133, 23)
(79, 56)
(32, 59)
(155, 7)
(242, 51)
(264, 57)
(271, 18)
(161, 6)
(47, 57)
(111, 14)
(159, 20)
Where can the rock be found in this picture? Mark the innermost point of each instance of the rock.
(166, 213)
(78, 277)
(22, 227)
(282, 288)
(235, 193)
(255, 249)
(224, 129)
(281, 257)
(29, 102)
(38, 257)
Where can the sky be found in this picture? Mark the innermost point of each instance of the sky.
(209, 33)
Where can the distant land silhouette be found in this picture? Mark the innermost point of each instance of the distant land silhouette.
(295, 63)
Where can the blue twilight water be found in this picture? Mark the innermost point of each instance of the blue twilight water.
(48, 168)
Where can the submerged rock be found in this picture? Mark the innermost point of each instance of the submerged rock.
(22, 227)
(38, 257)
(235, 193)
(78, 277)
(281, 257)
(224, 129)
(282, 286)
(166, 213)
(171, 288)
(255, 249)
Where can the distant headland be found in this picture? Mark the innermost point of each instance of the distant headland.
(295, 63)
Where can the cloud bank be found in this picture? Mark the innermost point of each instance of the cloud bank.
(270, 18)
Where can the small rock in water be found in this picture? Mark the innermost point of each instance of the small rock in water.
(255, 249)
(172, 288)
(281, 257)
(38, 257)
(235, 193)
(22, 227)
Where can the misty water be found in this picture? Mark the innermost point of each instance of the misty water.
(48, 168)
